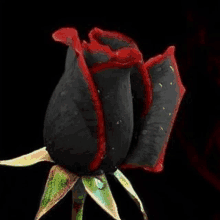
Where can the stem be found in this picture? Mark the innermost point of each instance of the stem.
(79, 196)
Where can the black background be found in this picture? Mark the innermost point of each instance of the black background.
(31, 65)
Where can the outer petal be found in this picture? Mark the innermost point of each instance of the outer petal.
(103, 196)
(127, 185)
(100, 97)
(156, 126)
(74, 124)
(114, 39)
(29, 159)
(110, 55)
(116, 98)
(59, 183)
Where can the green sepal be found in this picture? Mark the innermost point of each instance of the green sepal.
(127, 185)
(59, 183)
(28, 159)
(101, 194)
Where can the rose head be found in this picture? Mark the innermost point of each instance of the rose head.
(109, 111)
(98, 111)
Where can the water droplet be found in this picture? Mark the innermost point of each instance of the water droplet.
(161, 128)
(98, 91)
(62, 93)
(163, 108)
(99, 183)
(171, 83)
(113, 148)
(144, 132)
(169, 114)
(159, 69)
(160, 84)
(117, 122)
(172, 68)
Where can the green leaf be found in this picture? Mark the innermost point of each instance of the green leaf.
(59, 183)
(127, 185)
(101, 194)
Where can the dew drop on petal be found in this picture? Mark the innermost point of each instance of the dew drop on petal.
(62, 93)
(99, 184)
(159, 69)
(144, 132)
(172, 68)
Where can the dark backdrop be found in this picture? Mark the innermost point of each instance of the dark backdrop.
(31, 65)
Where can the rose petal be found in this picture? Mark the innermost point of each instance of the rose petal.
(93, 115)
(29, 159)
(59, 183)
(102, 197)
(113, 39)
(73, 121)
(95, 54)
(101, 54)
(115, 95)
(156, 127)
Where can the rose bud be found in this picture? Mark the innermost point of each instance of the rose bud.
(109, 111)
(89, 121)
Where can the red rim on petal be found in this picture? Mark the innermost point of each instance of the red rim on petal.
(125, 57)
(96, 33)
(168, 53)
(133, 160)
(70, 37)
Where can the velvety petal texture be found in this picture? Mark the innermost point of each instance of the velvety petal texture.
(89, 121)
(148, 147)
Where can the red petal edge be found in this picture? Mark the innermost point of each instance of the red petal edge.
(123, 58)
(69, 36)
(148, 65)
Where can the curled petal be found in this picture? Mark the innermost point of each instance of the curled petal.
(148, 149)
(29, 159)
(127, 185)
(75, 114)
(103, 196)
(113, 39)
(59, 183)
